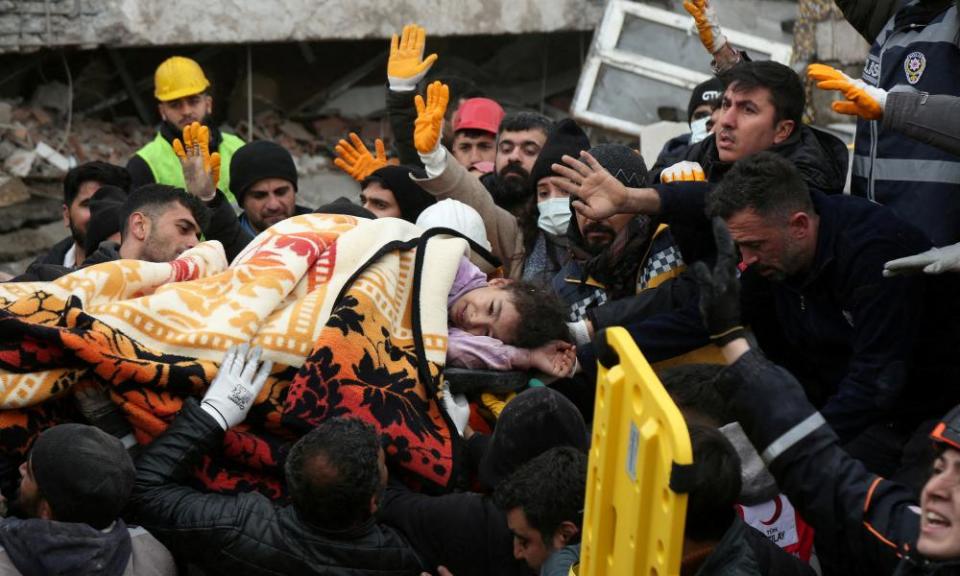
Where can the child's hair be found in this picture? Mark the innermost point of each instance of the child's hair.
(542, 315)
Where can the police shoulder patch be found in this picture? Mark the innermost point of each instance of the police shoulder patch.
(914, 65)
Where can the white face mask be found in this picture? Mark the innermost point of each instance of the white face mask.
(698, 129)
(554, 216)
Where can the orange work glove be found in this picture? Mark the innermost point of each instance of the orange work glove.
(683, 172)
(356, 160)
(197, 161)
(429, 123)
(708, 26)
(862, 99)
(406, 66)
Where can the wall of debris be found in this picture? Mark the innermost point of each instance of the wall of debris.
(27, 25)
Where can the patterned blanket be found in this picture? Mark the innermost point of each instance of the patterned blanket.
(351, 311)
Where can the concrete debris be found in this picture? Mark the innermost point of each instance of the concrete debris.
(12, 191)
(37, 150)
(20, 162)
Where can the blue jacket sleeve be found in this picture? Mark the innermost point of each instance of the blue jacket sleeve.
(869, 517)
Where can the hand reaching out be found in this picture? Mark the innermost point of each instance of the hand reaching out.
(201, 169)
(708, 25)
(862, 99)
(356, 160)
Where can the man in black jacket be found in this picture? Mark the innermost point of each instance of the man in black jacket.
(813, 289)
(79, 186)
(335, 475)
(264, 180)
(875, 522)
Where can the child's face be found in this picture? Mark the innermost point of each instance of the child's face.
(487, 311)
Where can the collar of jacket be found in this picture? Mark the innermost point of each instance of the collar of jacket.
(919, 14)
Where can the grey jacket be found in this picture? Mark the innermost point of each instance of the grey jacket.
(931, 119)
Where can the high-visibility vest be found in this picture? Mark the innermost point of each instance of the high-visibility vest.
(166, 169)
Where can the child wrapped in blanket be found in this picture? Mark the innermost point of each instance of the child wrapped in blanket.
(504, 325)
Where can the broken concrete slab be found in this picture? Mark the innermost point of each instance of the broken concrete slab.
(12, 191)
(36, 210)
(20, 162)
(27, 242)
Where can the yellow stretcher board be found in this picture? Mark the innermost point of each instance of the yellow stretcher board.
(633, 521)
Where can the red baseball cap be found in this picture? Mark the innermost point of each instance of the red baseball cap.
(478, 114)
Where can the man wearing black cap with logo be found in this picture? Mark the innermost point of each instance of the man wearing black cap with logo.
(264, 179)
(72, 489)
(704, 101)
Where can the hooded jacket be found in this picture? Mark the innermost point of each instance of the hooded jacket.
(38, 547)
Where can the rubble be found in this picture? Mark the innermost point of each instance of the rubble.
(38, 145)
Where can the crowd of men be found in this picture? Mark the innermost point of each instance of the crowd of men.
(808, 336)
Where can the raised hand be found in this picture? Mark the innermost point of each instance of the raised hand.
(201, 169)
(406, 66)
(708, 26)
(356, 160)
(429, 124)
(597, 194)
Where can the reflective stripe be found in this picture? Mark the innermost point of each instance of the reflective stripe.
(943, 31)
(938, 171)
(792, 436)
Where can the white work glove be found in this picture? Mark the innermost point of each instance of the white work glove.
(933, 261)
(684, 171)
(236, 386)
(457, 408)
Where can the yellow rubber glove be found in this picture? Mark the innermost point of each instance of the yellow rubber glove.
(708, 26)
(862, 99)
(683, 172)
(429, 123)
(356, 160)
(201, 169)
(406, 66)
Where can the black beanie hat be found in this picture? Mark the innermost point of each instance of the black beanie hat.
(410, 197)
(343, 205)
(626, 165)
(537, 420)
(566, 137)
(256, 161)
(84, 474)
(105, 207)
(704, 93)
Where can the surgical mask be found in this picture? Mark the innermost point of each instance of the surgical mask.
(698, 130)
(554, 216)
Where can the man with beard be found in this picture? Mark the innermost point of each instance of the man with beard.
(73, 486)
(181, 89)
(876, 355)
(618, 256)
(265, 183)
(79, 186)
(157, 224)
(519, 142)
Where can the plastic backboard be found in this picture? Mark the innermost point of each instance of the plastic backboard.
(633, 522)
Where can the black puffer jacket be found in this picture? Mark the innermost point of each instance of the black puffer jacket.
(247, 533)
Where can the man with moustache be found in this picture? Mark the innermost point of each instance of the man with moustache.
(182, 92)
(519, 142)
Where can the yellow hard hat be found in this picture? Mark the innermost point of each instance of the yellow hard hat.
(177, 77)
